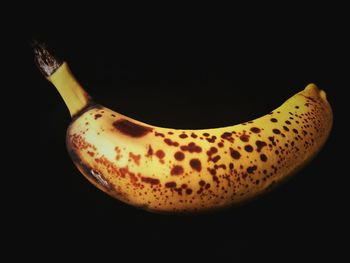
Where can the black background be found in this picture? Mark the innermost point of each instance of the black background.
(196, 73)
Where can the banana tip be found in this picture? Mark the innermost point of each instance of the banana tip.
(313, 88)
(323, 94)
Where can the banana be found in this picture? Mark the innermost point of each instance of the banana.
(181, 171)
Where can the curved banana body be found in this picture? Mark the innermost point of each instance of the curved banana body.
(170, 170)
(174, 170)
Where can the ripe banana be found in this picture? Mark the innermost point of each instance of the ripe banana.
(172, 170)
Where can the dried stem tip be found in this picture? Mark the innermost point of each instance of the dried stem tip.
(45, 61)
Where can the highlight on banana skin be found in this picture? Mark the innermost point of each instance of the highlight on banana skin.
(168, 170)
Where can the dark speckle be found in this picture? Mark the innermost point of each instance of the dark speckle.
(311, 99)
(263, 157)
(196, 165)
(235, 154)
(177, 170)
(170, 142)
(285, 128)
(255, 129)
(276, 131)
(272, 139)
(160, 154)
(212, 151)
(149, 151)
(227, 136)
(191, 147)
(149, 180)
(248, 148)
(251, 169)
(170, 184)
(216, 158)
(135, 157)
(98, 116)
(179, 156)
(189, 191)
(183, 136)
(273, 120)
(244, 137)
(260, 145)
(212, 139)
(212, 171)
(159, 134)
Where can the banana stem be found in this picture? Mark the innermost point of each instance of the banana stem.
(59, 74)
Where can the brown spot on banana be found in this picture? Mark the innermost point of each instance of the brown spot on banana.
(177, 170)
(260, 145)
(183, 136)
(255, 129)
(244, 137)
(97, 116)
(159, 134)
(179, 156)
(171, 142)
(196, 164)
(227, 136)
(153, 181)
(131, 129)
(135, 157)
(160, 154)
(170, 184)
(191, 147)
